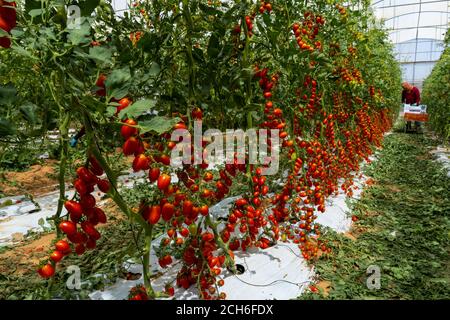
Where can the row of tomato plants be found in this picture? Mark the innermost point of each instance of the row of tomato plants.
(434, 95)
(321, 73)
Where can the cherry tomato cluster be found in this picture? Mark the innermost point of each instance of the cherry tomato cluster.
(8, 18)
(83, 215)
(265, 6)
(138, 293)
(307, 32)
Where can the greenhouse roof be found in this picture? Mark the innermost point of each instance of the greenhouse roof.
(417, 28)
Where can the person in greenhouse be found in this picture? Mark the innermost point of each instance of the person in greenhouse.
(75, 138)
(410, 95)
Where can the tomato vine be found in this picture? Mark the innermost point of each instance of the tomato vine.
(322, 74)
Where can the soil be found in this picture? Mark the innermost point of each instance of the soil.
(38, 180)
(26, 257)
(324, 286)
(26, 254)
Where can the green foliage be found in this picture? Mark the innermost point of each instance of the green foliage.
(18, 157)
(435, 93)
(404, 223)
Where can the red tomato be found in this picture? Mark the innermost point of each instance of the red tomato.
(77, 237)
(86, 175)
(130, 146)
(184, 232)
(87, 201)
(165, 159)
(197, 113)
(62, 246)
(91, 243)
(153, 174)
(80, 249)
(241, 202)
(208, 176)
(141, 162)
(47, 271)
(56, 256)
(5, 42)
(104, 185)
(128, 131)
(101, 81)
(74, 207)
(68, 227)
(155, 214)
(100, 215)
(187, 208)
(123, 104)
(80, 186)
(204, 210)
(207, 237)
(90, 230)
(8, 15)
(168, 210)
(163, 181)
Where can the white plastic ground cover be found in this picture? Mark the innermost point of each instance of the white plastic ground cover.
(23, 216)
(20, 218)
(442, 155)
(278, 272)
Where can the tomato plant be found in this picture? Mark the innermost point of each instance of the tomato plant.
(434, 95)
(322, 74)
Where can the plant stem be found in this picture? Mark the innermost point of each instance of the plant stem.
(64, 141)
(220, 243)
(118, 200)
(146, 264)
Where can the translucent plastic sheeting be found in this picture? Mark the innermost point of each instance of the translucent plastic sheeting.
(417, 29)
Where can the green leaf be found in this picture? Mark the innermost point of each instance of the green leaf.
(7, 95)
(158, 124)
(16, 32)
(48, 33)
(32, 4)
(35, 12)
(88, 6)
(28, 111)
(138, 108)
(41, 222)
(118, 83)
(3, 33)
(100, 54)
(21, 51)
(80, 35)
(210, 10)
(213, 46)
(154, 69)
(198, 55)
(110, 111)
(7, 128)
